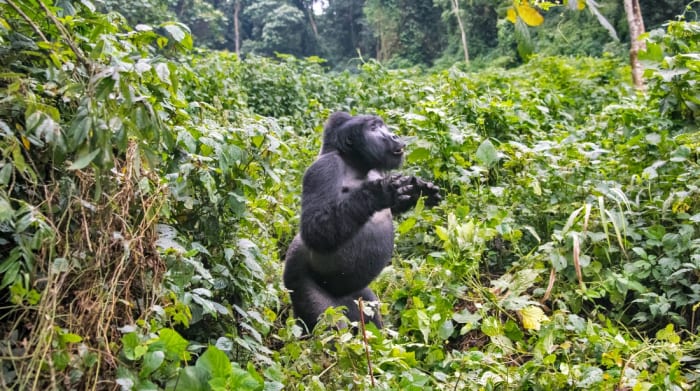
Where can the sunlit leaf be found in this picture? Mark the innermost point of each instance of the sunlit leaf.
(532, 317)
(528, 14)
(511, 15)
(668, 334)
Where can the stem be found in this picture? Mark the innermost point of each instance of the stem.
(364, 338)
(66, 36)
(29, 20)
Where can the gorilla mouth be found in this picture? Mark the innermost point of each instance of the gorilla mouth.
(398, 152)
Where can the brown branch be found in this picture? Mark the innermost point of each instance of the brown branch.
(552, 278)
(28, 19)
(66, 36)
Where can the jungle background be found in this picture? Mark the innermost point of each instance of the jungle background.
(151, 160)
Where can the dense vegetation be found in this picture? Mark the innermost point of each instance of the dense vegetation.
(402, 33)
(149, 191)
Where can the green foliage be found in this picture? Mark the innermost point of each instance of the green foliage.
(277, 27)
(673, 77)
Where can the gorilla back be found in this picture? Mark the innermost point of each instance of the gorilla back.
(347, 236)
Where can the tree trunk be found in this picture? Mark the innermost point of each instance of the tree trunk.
(636, 26)
(236, 30)
(312, 21)
(455, 9)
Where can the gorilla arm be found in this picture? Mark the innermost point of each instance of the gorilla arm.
(332, 212)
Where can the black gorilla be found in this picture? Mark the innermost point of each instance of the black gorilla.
(347, 232)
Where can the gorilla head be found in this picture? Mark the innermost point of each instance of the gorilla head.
(364, 140)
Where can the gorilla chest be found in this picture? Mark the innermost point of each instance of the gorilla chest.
(359, 260)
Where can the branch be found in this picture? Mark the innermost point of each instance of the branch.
(364, 338)
(66, 36)
(29, 20)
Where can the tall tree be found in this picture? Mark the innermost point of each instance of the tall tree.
(636, 26)
(236, 27)
(277, 27)
(383, 17)
(421, 32)
(342, 31)
(463, 34)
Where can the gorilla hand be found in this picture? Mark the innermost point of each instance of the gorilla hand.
(394, 191)
(409, 189)
(430, 191)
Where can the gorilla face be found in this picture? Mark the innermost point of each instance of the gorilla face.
(364, 142)
(381, 148)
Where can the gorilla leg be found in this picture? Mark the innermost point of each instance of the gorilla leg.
(310, 301)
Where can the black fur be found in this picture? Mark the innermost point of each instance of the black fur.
(348, 200)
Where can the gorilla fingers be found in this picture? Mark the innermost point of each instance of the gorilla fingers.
(409, 189)
(430, 191)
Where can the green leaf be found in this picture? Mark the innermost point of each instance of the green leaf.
(190, 379)
(5, 175)
(60, 265)
(6, 211)
(491, 327)
(180, 33)
(84, 160)
(70, 338)
(442, 233)
(418, 155)
(11, 273)
(151, 362)
(215, 362)
(129, 343)
(558, 261)
(522, 36)
(446, 329)
(172, 343)
(245, 380)
(406, 225)
(513, 331)
(487, 154)
(667, 334)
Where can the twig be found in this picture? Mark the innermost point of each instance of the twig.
(552, 277)
(28, 19)
(66, 36)
(364, 338)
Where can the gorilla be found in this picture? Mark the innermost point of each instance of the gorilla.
(348, 200)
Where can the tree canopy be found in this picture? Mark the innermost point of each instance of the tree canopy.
(398, 32)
